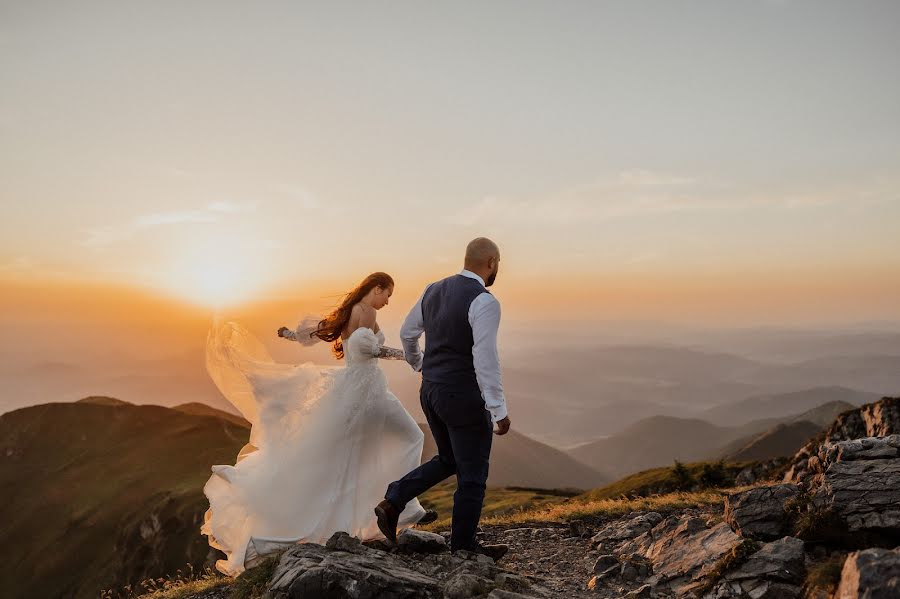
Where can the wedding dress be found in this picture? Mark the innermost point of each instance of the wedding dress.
(324, 444)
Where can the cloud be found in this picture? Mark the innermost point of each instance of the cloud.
(632, 192)
(645, 193)
(17, 264)
(213, 212)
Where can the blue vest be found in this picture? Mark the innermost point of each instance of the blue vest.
(448, 334)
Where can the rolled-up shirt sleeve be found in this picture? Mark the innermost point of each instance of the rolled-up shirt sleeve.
(410, 331)
(484, 316)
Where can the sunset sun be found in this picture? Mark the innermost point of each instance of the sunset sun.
(215, 277)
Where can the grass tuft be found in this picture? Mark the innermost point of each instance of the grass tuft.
(252, 583)
(576, 509)
(184, 583)
(824, 576)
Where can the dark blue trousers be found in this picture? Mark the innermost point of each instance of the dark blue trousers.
(462, 430)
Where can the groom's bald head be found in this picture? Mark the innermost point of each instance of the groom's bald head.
(483, 258)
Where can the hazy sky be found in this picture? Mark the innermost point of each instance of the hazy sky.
(739, 159)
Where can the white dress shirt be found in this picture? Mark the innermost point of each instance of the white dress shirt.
(484, 318)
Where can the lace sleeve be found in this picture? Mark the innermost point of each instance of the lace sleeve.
(390, 353)
(303, 333)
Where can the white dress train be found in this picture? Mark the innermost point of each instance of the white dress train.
(324, 444)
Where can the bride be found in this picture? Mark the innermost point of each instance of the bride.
(324, 442)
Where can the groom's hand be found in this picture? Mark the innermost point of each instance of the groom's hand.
(502, 426)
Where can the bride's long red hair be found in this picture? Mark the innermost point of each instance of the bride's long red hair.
(330, 327)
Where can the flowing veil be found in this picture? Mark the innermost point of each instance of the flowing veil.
(262, 390)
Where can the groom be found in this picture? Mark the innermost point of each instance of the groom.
(461, 393)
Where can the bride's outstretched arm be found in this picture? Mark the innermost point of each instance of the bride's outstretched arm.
(303, 334)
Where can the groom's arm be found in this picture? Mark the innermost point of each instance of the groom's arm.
(412, 329)
(484, 316)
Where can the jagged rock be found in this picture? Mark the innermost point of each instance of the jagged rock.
(870, 574)
(859, 481)
(774, 572)
(605, 563)
(683, 550)
(309, 570)
(346, 568)
(643, 592)
(878, 419)
(759, 513)
(623, 530)
(421, 541)
(341, 541)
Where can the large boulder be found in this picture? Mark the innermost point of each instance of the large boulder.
(420, 541)
(776, 571)
(310, 570)
(759, 513)
(859, 482)
(346, 568)
(870, 574)
(682, 551)
(625, 529)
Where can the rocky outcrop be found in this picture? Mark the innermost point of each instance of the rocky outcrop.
(346, 568)
(760, 513)
(613, 533)
(859, 482)
(870, 574)
(776, 571)
(878, 419)
(681, 550)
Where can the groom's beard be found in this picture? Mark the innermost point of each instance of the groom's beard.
(490, 279)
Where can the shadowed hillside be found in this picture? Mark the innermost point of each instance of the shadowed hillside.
(99, 495)
(654, 442)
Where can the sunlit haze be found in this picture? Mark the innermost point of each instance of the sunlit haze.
(642, 166)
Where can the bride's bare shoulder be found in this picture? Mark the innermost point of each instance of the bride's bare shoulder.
(362, 316)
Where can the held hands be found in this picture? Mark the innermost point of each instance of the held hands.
(502, 426)
(282, 331)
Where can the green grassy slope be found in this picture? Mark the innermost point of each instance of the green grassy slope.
(100, 495)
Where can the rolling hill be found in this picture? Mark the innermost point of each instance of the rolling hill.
(784, 437)
(100, 493)
(782, 440)
(652, 442)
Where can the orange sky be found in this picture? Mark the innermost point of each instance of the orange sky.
(632, 163)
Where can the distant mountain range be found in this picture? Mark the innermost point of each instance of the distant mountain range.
(782, 405)
(560, 392)
(657, 441)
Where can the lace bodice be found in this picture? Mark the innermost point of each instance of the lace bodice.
(363, 346)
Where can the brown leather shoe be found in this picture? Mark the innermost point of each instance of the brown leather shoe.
(387, 516)
(495, 552)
